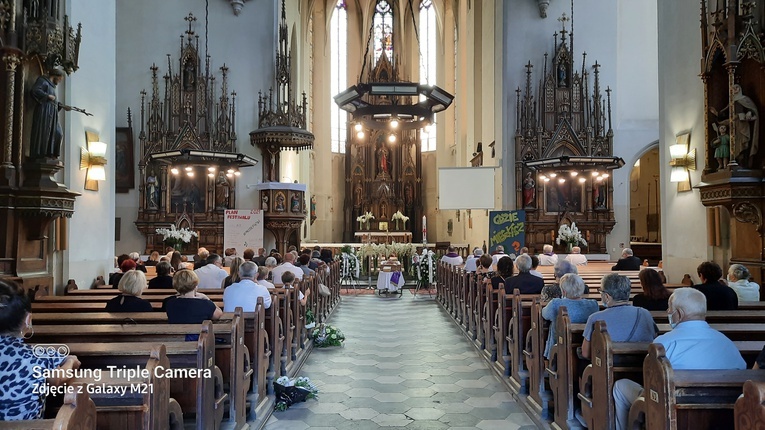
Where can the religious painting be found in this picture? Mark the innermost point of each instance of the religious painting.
(124, 168)
(564, 196)
(188, 192)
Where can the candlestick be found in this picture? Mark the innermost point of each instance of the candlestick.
(424, 229)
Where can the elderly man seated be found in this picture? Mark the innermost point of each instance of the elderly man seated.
(525, 282)
(452, 257)
(628, 261)
(548, 257)
(576, 257)
(691, 345)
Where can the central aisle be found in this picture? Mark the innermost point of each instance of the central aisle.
(404, 365)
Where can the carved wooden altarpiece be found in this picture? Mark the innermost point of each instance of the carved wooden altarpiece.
(732, 64)
(383, 177)
(186, 119)
(569, 125)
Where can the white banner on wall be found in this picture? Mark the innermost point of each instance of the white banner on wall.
(242, 229)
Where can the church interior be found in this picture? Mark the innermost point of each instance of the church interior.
(638, 121)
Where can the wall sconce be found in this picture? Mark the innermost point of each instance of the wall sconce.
(93, 159)
(682, 161)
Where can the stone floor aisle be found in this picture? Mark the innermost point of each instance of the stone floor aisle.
(404, 365)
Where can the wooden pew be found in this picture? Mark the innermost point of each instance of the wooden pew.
(204, 395)
(749, 409)
(687, 399)
(145, 403)
(518, 327)
(612, 361)
(563, 370)
(540, 397)
(77, 413)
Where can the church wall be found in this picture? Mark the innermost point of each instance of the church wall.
(91, 229)
(681, 107)
(149, 30)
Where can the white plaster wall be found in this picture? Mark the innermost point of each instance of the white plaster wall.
(681, 104)
(147, 30)
(618, 36)
(92, 87)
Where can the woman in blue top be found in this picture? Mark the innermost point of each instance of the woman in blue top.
(579, 309)
(23, 369)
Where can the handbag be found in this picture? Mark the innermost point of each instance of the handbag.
(324, 290)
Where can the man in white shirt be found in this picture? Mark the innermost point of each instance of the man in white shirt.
(211, 275)
(245, 293)
(500, 252)
(548, 258)
(692, 344)
(472, 261)
(452, 257)
(288, 265)
(576, 257)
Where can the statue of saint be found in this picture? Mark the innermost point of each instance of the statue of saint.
(46, 137)
(529, 190)
(562, 75)
(152, 191)
(313, 209)
(280, 201)
(384, 161)
(264, 203)
(747, 126)
(189, 76)
(357, 194)
(408, 194)
(721, 144)
(222, 192)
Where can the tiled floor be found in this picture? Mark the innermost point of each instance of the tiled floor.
(404, 365)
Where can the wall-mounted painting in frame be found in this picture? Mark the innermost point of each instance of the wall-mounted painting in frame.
(124, 168)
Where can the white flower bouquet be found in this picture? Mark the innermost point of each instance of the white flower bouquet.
(349, 263)
(365, 219)
(176, 237)
(398, 216)
(326, 335)
(290, 391)
(570, 235)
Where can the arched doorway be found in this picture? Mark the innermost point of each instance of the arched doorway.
(645, 206)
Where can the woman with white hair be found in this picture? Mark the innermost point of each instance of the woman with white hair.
(548, 257)
(131, 286)
(738, 279)
(572, 287)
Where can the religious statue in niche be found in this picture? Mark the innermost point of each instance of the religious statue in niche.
(721, 145)
(295, 203)
(189, 75)
(599, 195)
(280, 201)
(46, 137)
(408, 194)
(562, 75)
(357, 192)
(222, 192)
(384, 161)
(747, 126)
(264, 202)
(529, 190)
(152, 191)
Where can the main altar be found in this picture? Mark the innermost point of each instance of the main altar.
(383, 237)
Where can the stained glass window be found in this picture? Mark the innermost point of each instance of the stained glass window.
(383, 30)
(339, 76)
(428, 37)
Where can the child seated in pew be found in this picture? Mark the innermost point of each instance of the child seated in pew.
(131, 286)
(188, 306)
(22, 369)
(572, 287)
(691, 345)
(287, 279)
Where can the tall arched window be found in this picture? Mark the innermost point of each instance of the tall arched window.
(339, 75)
(428, 63)
(383, 30)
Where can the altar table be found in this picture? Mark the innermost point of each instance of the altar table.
(383, 237)
(384, 281)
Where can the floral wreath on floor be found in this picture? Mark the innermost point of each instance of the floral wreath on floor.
(290, 391)
(326, 335)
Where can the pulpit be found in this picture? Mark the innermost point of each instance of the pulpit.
(283, 206)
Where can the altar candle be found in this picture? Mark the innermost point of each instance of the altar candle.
(424, 229)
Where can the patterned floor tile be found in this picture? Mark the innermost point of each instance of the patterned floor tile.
(413, 370)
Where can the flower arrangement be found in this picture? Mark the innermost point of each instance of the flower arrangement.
(349, 263)
(289, 391)
(570, 235)
(326, 335)
(421, 269)
(400, 250)
(365, 219)
(176, 237)
(398, 216)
